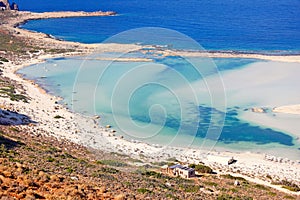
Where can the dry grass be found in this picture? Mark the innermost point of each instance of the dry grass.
(45, 167)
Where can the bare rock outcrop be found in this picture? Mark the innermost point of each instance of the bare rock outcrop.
(258, 110)
(5, 5)
(14, 6)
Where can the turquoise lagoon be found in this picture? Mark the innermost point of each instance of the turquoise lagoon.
(168, 102)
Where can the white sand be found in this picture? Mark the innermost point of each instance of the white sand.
(278, 58)
(267, 85)
(290, 109)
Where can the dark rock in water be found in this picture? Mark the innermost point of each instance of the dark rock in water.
(14, 6)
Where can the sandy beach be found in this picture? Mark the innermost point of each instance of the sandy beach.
(290, 109)
(280, 58)
(43, 109)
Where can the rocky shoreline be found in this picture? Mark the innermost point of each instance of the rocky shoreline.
(60, 14)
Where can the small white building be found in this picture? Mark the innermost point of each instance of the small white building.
(182, 171)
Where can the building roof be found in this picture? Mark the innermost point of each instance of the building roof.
(181, 167)
(174, 166)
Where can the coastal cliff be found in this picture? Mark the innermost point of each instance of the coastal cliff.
(5, 5)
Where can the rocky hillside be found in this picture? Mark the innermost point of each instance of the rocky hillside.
(38, 167)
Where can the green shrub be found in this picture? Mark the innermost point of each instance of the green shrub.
(159, 163)
(3, 59)
(144, 190)
(192, 166)
(190, 188)
(114, 163)
(58, 117)
(14, 129)
(261, 187)
(33, 51)
(50, 159)
(66, 155)
(288, 185)
(234, 190)
(228, 176)
(52, 150)
(127, 183)
(134, 160)
(170, 164)
(172, 160)
(3, 150)
(105, 176)
(180, 180)
(224, 197)
(82, 161)
(292, 188)
(268, 176)
(152, 173)
(273, 194)
(110, 170)
(288, 197)
(211, 183)
(170, 196)
(201, 168)
(229, 197)
(70, 170)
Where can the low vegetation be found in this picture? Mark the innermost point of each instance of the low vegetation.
(190, 188)
(8, 90)
(229, 176)
(47, 168)
(144, 190)
(288, 185)
(200, 168)
(58, 117)
(230, 197)
(114, 163)
(13, 46)
(3, 59)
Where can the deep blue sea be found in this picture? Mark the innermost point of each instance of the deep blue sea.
(257, 25)
(153, 98)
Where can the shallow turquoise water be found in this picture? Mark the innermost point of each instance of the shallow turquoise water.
(144, 101)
